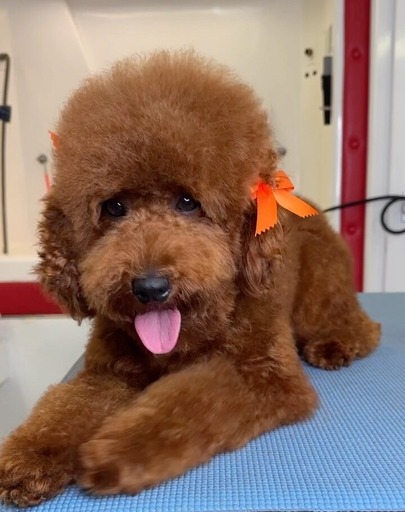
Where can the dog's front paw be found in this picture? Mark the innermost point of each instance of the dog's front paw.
(108, 467)
(29, 475)
(329, 354)
(132, 459)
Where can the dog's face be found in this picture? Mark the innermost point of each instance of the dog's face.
(150, 217)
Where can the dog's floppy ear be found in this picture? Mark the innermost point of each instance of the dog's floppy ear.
(57, 267)
(261, 255)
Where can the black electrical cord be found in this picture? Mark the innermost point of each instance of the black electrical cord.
(5, 117)
(391, 199)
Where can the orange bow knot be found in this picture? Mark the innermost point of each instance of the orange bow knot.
(267, 198)
(54, 138)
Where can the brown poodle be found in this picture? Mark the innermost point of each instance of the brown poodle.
(149, 229)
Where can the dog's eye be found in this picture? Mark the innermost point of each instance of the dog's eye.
(113, 208)
(186, 204)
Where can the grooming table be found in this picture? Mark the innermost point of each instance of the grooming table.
(349, 457)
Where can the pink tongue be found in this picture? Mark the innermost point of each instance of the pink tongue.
(159, 330)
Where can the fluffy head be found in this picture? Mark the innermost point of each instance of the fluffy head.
(146, 134)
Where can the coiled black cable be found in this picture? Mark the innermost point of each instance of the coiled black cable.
(391, 200)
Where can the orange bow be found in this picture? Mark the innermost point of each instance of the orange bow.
(267, 198)
(54, 138)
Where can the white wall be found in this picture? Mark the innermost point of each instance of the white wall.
(317, 141)
(250, 37)
(47, 63)
(16, 186)
(384, 268)
(54, 43)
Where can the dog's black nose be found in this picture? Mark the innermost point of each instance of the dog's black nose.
(151, 289)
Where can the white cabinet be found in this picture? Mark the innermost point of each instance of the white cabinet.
(384, 269)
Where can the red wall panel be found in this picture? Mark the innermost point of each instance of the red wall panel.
(355, 127)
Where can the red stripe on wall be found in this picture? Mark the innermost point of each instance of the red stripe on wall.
(25, 299)
(355, 127)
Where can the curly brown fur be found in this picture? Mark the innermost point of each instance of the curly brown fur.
(146, 133)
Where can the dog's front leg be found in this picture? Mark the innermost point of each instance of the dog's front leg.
(186, 418)
(39, 458)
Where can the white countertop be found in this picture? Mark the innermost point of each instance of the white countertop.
(17, 268)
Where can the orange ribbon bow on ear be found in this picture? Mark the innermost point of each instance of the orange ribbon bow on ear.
(267, 198)
(54, 138)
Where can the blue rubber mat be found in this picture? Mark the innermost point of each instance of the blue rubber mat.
(349, 457)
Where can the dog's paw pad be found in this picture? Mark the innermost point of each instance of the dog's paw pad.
(100, 470)
(24, 490)
(329, 355)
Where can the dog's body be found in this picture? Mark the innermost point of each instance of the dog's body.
(151, 220)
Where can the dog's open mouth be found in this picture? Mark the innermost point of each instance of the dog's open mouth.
(159, 329)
